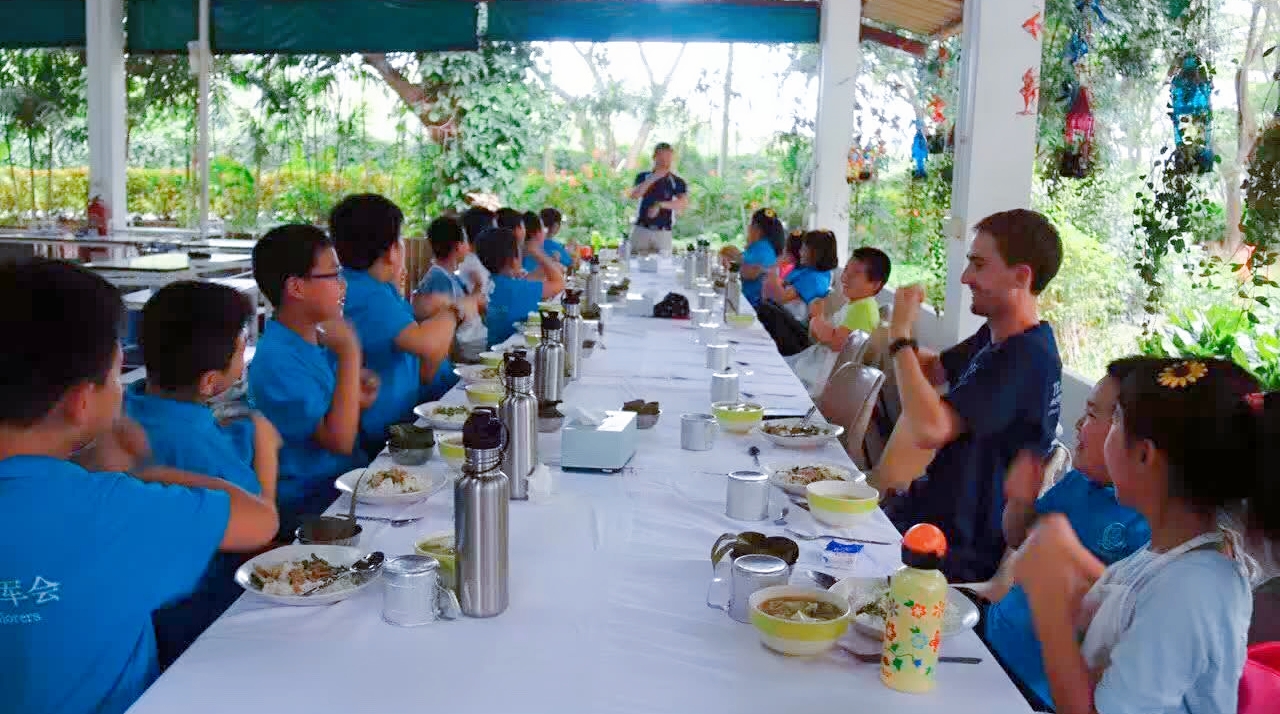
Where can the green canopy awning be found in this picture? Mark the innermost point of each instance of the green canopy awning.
(41, 23)
(760, 21)
(306, 26)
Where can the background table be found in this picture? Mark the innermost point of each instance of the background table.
(608, 583)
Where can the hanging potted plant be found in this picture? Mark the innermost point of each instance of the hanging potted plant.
(1076, 160)
(1261, 224)
(1190, 92)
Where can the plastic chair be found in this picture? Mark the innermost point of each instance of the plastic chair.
(1058, 465)
(1260, 683)
(848, 399)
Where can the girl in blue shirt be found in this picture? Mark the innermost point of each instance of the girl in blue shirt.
(552, 220)
(765, 238)
(1164, 630)
(513, 296)
(811, 280)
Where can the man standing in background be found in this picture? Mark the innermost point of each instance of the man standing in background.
(661, 194)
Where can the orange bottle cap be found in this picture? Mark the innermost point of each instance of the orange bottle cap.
(925, 539)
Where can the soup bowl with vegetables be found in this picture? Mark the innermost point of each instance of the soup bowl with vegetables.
(799, 621)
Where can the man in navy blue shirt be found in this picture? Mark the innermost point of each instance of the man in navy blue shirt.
(1005, 394)
(661, 195)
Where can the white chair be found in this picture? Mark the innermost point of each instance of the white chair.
(848, 399)
(1058, 465)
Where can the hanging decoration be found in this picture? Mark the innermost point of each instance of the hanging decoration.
(937, 105)
(1077, 153)
(1034, 25)
(919, 151)
(1261, 224)
(1190, 94)
(935, 111)
(863, 159)
(1030, 92)
(1084, 6)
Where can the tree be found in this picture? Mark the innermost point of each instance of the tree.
(43, 91)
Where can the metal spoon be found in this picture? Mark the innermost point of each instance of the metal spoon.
(781, 520)
(366, 566)
(754, 452)
(808, 415)
(821, 579)
(827, 536)
(395, 522)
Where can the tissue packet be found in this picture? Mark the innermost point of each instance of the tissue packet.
(841, 555)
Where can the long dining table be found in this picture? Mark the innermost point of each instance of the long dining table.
(609, 577)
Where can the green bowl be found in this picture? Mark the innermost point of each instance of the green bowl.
(532, 338)
(491, 359)
(798, 639)
(549, 306)
(441, 547)
(484, 394)
(738, 417)
(452, 451)
(741, 321)
(841, 503)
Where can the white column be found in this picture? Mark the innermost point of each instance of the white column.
(202, 62)
(995, 134)
(838, 76)
(104, 61)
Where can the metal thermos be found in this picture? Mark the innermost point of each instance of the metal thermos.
(690, 268)
(548, 362)
(624, 253)
(595, 289)
(519, 414)
(702, 259)
(572, 331)
(732, 291)
(481, 508)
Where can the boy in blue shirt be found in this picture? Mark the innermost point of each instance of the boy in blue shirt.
(1086, 496)
(513, 297)
(91, 551)
(306, 377)
(441, 284)
(551, 221)
(535, 236)
(193, 341)
(404, 353)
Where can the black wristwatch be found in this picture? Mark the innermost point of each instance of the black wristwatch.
(901, 344)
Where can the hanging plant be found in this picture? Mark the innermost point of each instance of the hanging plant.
(1076, 160)
(1190, 109)
(1171, 210)
(1261, 224)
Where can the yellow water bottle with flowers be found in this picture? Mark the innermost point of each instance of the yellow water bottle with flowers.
(913, 619)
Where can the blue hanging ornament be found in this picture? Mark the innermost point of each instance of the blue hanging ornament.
(1190, 95)
(1084, 6)
(919, 150)
(1077, 48)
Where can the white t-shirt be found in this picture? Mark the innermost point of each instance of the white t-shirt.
(472, 271)
(1182, 650)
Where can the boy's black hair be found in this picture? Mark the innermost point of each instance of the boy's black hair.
(189, 328)
(876, 262)
(477, 220)
(550, 218)
(285, 252)
(496, 248)
(63, 328)
(532, 224)
(445, 234)
(823, 245)
(510, 219)
(364, 227)
(662, 146)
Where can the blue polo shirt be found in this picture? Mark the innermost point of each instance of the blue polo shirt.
(1009, 396)
(664, 190)
(1109, 530)
(379, 313)
(510, 302)
(809, 284)
(529, 263)
(186, 436)
(291, 381)
(759, 253)
(556, 250)
(439, 280)
(87, 558)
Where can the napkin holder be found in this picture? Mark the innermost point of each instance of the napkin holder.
(639, 305)
(606, 446)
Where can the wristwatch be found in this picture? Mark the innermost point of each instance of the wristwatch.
(901, 344)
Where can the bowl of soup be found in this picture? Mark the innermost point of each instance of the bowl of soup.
(484, 394)
(452, 450)
(798, 621)
(738, 417)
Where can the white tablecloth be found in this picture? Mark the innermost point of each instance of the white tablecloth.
(608, 583)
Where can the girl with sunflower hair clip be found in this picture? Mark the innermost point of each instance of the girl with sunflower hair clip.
(765, 236)
(1164, 630)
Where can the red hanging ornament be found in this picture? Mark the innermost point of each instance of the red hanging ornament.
(936, 107)
(1034, 25)
(1079, 127)
(1030, 92)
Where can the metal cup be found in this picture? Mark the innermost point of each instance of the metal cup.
(709, 333)
(698, 315)
(749, 573)
(412, 593)
(697, 432)
(719, 356)
(747, 497)
(724, 387)
(707, 300)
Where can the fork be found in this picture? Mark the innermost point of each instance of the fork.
(395, 522)
(827, 536)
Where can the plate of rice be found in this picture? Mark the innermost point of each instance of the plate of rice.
(283, 574)
(869, 600)
(793, 477)
(446, 417)
(792, 434)
(387, 484)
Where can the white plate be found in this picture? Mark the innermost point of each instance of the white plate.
(961, 613)
(474, 373)
(780, 480)
(833, 431)
(431, 483)
(426, 412)
(336, 554)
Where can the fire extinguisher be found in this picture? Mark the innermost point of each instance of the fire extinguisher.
(99, 215)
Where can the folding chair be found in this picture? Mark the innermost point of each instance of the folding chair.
(848, 399)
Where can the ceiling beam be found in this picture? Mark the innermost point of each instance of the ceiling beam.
(889, 39)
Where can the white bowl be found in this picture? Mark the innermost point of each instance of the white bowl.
(431, 483)
(427, 412)
(961, 613)
(830, 432)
